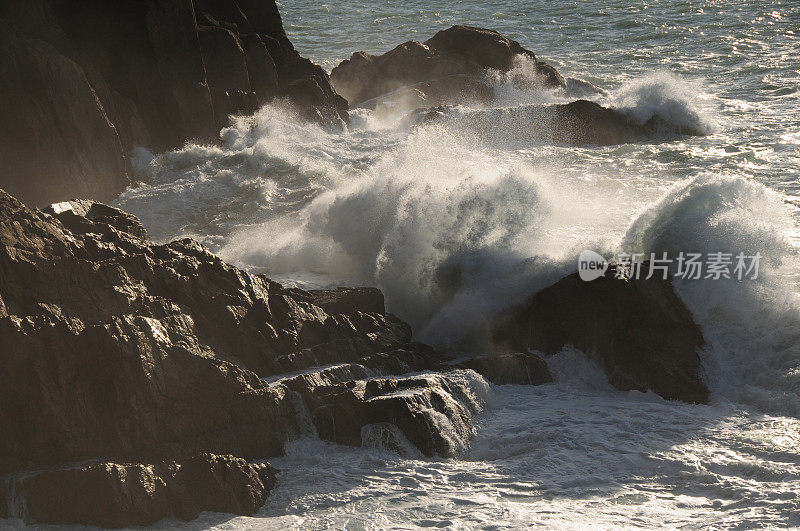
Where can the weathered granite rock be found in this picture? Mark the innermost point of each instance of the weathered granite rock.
(115, 348)
(639, 331)
(116, 495)
(82, 83)
(460, 55)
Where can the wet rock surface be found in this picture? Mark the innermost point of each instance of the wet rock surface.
(447, 69)
(117, 347)
(639, 331)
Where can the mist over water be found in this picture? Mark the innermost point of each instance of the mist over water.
(458, 219)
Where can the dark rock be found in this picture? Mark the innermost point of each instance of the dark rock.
(85, 215)
(460, 55)
(57, 140)
(364, 76)
(517, 368)
(309, 88)
(577, 123)
(82, 83)
(260, 67)
(418, 406)
(485, 47)
(115, 495)
(4, 501)
(349, 300)
(586, 122)
(105, 495)
(639, 331)
(227, 73)
(431, 412)
(223, 484)
(115, 348)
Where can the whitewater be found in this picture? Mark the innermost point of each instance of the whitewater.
(459, 219)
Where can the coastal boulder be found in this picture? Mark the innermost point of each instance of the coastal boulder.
(114, 495)
(348, 300)
(446, 69)
(639, 332)
(578, 123)
(433, 412)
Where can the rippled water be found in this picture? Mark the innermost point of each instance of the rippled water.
(392, 206)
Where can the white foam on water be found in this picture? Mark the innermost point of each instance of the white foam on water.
(458, 220)
(752, 326)
(672, 99)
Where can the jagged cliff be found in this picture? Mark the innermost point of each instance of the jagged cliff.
(83, 82)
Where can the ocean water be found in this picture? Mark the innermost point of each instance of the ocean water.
(457, 220)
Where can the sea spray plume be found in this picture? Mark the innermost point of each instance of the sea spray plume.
(264, 165)
(668, 100)
(446, 235)
(752, 327)
(522, 84)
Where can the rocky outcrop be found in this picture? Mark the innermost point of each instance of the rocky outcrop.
(113, 495)
(447, 68)
(140, 356)
(578, 123)
(117, 348)
(433, 412)
(347, 300)
(82, 83)
(639, 331)
(137, 355)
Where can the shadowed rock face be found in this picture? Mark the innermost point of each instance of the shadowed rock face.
(639, 331)
(445, 69)
(82, 83)
(432, 411)
(119, 495)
